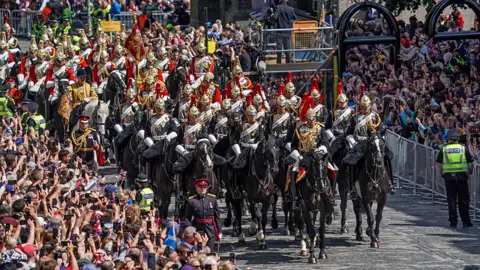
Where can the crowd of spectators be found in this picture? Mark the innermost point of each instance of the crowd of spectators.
(435, 89)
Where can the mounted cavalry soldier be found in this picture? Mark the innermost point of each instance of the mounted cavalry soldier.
(281, 120)
(165, 64)
(7, 60)
(309, 136)
(339, 119)
(163, 130)
(293, 100)
(126, 128)
(236, 99)
(258, 102)
(119, 59)
(320, 109)
(364, 122)
(194, 129)
(37, 70)
(146, 95)
(184, 104)
(101, 71)
(11, 40)
(201, 63)
(238, 79)
(209, 88)
(27, 64)
(85, 48)
(80, 93)
(221, 124)
(148, 67)
(206, 112)
(58, 75)
(86, 144)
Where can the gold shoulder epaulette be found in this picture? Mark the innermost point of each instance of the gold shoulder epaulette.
(191, 197)
(211, 195)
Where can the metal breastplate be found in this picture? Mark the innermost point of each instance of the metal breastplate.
(150, 72)
(165, 67)
(206, 116)
(281, 129)
(127, 118)
(120, 63)
(252, 137)
(191, 139)
(183, 110)
(340, 127)
(159, 127)
(308, 137)
(319, 113)
(221, 126)
(361, 132)
(41, 69)
(60, 75)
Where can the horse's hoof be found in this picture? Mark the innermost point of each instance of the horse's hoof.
(322, 255)
(227, 222)
(242, 242)
(286, 233)
(368, 232)
(107, 163)
(344, 230)
(303, 252)
(274, 224)
(312, 260)
(329, 219)
(252, 232)
(359, 238)
(374, 245)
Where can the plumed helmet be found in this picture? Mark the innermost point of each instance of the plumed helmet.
(226, 104)
(310, 114)
(281, 101)
(159, 104)
(236, 91)
(3, 41)
(104, 55)
(162, 51)
(84, 43)
(6, 26)
(193, 111)
(205, 100)
(200, 48)
(209, 77)
(150, 80)
(290, 87)
(187, 90)
(314, 89)
(342, 98)
(60, 55)
(42, 53)
(365, 101)
(251, 110)
(131, 93)
(151, 57)
(119, 49)
(257, 100)
(33, 46)
(237, 69)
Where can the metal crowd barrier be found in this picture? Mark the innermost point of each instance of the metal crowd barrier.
(161, 17)
(414, 167)
(22, 21)
(3, 13)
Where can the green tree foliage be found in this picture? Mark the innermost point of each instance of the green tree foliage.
(397, 6)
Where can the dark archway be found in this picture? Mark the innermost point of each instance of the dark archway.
(436, 12)
(344, 41)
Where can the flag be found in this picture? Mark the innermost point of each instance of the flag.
(170, 241)
(134, 44)
(190, 247)
(97, 228)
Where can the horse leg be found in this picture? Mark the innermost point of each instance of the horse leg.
(288, 216)
(358, 217)
(309, 220)
(370, 220)
(302, 237)
(323, 216)
(252, 230)
(264, 218)
(237, 228)
(343, 208)
(378, 218)
(228, 201)
(274, 210)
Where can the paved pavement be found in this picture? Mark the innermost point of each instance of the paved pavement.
(414, 234)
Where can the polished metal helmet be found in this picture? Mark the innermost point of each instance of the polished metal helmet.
(3, 41)
(205, 100)
(33, 46)
(236, 91)
(281, 101)
(131, 93)
(226, 104)
(251, 112)
(162, 52)
(119, 49)
(290, 87)
(104, 55)
(209, 77)
(310, 114)
(257, 100)
(315, 94)
(365, 101)
(200, 48)
(188, 90)
(6, 27)
(237, 70)
(342, 98)
(59, 54)
(159, 104)
(151, 57)
(150, 80)
(193, 111)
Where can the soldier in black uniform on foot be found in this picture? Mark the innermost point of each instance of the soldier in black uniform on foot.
(203, 208)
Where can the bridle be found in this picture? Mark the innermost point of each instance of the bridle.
(373, 173)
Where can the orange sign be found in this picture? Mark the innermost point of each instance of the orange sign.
(111, 26)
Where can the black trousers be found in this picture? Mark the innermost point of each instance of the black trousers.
(283, 43)
(457, 193)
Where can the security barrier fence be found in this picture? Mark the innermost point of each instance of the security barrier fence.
(414, 169)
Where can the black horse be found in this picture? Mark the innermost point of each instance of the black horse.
(373, 180)
(128, 152)
(315, 195)
(257, 181)
(177, 79)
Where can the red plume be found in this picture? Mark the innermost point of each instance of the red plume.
(289, 77)
(339, 88)
(314, 85)
(188, 79)
(130, 83)
(281, 90)
(249, 99)
(193, 102)
(258, 91)
(363, 88)
(6, 21)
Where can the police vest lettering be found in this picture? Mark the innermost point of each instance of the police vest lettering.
(221, 122)
(192, 129)
(4, 110)
(147, 199)
(280, 120)
(344, 115)
(364, 121)
(249, 130)
(454, 159)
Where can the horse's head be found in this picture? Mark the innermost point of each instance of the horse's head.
(116, 82)
(376, 149)
(100, 116)
(140, 119)
(204, 153)
(319, 166)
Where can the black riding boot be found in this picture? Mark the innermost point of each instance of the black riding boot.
(388, 164)
(351, 178)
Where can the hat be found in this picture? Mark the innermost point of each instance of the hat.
(453, 133)
(84, 118)
(10, 79)
(141, 178)
(65, 18)
(9, 188)
(201, 181)
(10, 220)
(32, 106)
(109, 189)
(29, 249)
(26, 101)
(81, 72)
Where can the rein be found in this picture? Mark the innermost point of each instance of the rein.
(373, 173)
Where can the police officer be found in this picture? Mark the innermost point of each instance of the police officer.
(36, 121)
(7, 105)
(203, 208)
(23, 112)
(144, 197)
(454, 164)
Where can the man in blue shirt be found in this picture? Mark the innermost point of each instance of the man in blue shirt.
(115, 9)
